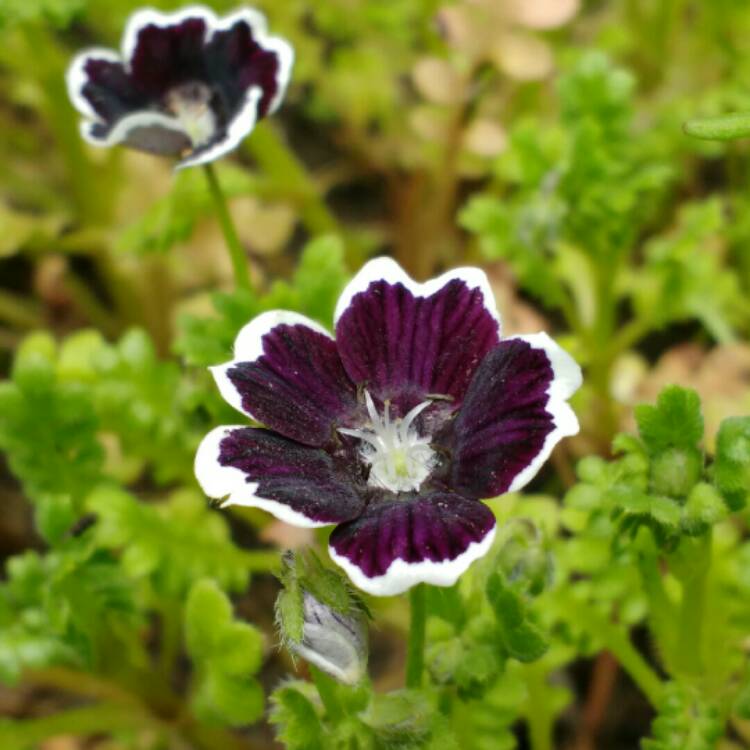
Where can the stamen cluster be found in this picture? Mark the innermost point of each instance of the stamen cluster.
(400, 459)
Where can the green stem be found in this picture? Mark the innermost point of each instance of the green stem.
(692, 608)
(540, 718)
(415, 653)
(662, 613)
(236, 251)
(327, 691)
(96, 719)
(617, 641)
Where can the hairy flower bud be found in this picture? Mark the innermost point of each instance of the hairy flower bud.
(333, 642)
(326, 628)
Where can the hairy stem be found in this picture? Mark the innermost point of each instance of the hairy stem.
(690, 656)
(236, 252)
(415, 652)
(327, 691)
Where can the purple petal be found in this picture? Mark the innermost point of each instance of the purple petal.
(238, 57)
(260, 469)
(514, 413)
(164, 50)
(396, 544)
(100, 87)
(287, 374)
(404, 340)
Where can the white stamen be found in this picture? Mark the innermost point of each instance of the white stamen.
(400, 458)
(190, 103)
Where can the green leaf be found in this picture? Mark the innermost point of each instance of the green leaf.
(67, 607)
(686, 721)
(208, 613)
(238, 650)
(731, 470)
(48, 429)
(674, 422)
(226, 653)
(724, 128)
(635, 508)
(170, 544)
(295, 717)
(521, 638)
(686, 276)
(400, 716)
(704, 508)
(229, 700)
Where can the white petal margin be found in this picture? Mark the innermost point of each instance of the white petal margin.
(567, 379)
(276, 44)
(253, 18)
(239, 127)
(76, 78)
(248, 347)
(386, 269)
(402, 575)
(122, 127)
(229, 484)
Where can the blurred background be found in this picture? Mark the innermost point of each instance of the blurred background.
(540, 139)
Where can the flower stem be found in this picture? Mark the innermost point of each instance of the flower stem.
(236, 252)
(415, 653)
(327, 692)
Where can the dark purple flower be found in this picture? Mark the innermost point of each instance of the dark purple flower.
(394, 431)
(186, 84)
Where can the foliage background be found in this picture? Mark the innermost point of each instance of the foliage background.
(540, 139)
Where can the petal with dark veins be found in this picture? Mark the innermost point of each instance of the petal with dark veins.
(514, 413)
(286, 373)
(404, 341)
(397, 544)
(258, 468)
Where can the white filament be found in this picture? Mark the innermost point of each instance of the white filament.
(400, 459)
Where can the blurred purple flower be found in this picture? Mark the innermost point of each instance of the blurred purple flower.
(186, 84)
(395, 430)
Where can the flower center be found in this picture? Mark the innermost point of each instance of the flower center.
(400, 459)
(190, 103)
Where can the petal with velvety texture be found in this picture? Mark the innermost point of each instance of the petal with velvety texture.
(513, 415)
(403, 340)
(397, 544)
(286, 373)
(259, 469)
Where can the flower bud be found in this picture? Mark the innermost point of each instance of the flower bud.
(321, 619)
(333, 642)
